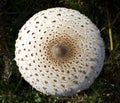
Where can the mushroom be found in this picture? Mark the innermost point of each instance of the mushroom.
(59, 51)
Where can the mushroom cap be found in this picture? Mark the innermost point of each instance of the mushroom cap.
(59, 51)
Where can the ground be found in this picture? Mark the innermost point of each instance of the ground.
(105, 14)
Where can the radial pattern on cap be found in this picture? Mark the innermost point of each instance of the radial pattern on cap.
(59, 51)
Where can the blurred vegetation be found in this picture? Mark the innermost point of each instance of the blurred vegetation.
(104, 13)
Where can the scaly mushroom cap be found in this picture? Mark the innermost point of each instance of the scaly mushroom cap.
(59, 51)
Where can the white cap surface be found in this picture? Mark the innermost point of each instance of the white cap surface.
(59, 51)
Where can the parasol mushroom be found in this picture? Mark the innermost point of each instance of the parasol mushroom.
(59, 51)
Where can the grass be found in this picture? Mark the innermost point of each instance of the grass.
(14, 13)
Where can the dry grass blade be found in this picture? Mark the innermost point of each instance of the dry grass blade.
(110, 30)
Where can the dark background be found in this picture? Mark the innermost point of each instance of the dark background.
(13, 15)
